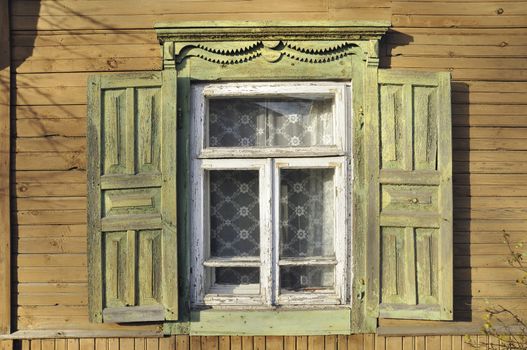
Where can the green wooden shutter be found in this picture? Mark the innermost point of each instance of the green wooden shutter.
(131, 197)
(415, 195)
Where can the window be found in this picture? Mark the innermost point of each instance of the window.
(269, 203)
(200, 194)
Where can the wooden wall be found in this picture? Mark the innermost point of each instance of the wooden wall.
(355, 342)
(56, 44)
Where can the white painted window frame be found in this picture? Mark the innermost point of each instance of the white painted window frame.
(201, 92)
(270, 161)
(200, 261)
(338, 295)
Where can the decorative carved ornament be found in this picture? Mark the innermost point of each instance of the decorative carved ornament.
(239, 42)
(271, 51)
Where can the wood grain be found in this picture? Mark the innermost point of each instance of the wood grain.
(5, 174)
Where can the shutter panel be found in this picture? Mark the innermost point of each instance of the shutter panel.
(415, 195)
(131, 197)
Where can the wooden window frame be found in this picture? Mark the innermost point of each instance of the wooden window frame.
(268, 51)
(341, 239)
(351, 52)
(264, 89)
(269, 165)
(200, 238)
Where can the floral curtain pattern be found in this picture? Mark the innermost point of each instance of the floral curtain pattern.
(306, 196)
(306, 212)
(234, 213)
(276, 122)
(306, 226)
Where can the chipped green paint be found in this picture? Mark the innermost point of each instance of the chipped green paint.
(263, 322)
(251, 51)
(132, 197)
(278, 51)
(415, 222)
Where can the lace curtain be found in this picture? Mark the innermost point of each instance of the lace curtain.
(305, 226)
(306, 199)
(257, 122)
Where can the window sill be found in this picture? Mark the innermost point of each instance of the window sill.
(269, 322)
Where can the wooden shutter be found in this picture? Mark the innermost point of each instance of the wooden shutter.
(415, 195)
(131, 197)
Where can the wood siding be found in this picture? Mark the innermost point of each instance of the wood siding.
(333, 342)
(5, 160)
(56, 44)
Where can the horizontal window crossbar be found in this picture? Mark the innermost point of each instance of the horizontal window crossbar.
(234, 289)
(233, 262)
(313, 261)
(270, 152)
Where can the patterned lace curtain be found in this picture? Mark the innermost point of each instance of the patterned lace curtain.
(257, 122)
(306, 195)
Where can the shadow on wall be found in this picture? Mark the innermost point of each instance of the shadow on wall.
(463, 288)
(21, 49)
(48, 116)
(391, 40)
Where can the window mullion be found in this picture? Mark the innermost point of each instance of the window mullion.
(276, 230)
(266, 232)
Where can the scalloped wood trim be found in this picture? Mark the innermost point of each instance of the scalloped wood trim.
(229, 42)
(271, 51)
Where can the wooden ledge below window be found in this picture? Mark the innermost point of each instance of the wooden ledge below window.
(72, 333)
(448, 328)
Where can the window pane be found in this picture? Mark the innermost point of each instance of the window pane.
(278, 121)
(237, 275)
(300, 122)
(234, 213)
(235, 122)
(305, 278)
(306, 212)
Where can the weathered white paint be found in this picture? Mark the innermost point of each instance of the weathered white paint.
(337, 156)
(200, 93)
(203, 289)
(338, 295)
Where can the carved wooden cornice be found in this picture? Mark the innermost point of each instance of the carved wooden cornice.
(228, 42)
(271, 51)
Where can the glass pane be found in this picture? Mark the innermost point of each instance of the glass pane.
(234, 213)
(235, 123)
(237, 275)
(278, 121)
(300, 122)
(306, 278)
(306, 212)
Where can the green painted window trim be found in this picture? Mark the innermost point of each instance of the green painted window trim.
(197, 52)
(242, 51)
(265, 322)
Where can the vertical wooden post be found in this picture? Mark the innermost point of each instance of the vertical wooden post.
(5, 137)
(371, 148)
